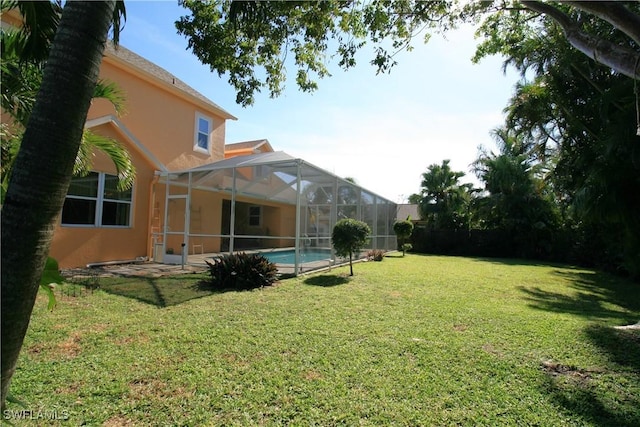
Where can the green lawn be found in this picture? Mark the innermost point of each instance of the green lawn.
(419, 340)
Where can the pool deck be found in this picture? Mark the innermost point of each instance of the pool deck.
(199, 260)
(194, 264)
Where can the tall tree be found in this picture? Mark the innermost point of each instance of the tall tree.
(570, 105)
(44, 165)
(444, 201)
(618, 47)
(240, 37)
(518, 200)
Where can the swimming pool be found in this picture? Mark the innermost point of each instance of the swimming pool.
(288, 256)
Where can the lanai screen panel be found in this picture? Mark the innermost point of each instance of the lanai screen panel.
(317, 206)
(272, 200)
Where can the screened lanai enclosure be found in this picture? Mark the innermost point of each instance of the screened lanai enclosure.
(272, 203)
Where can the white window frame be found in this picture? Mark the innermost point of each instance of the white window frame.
(100, 199)
(196, 133)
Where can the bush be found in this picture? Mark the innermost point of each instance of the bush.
(348, 237)
(403, 230)
(241, 271)
(375, 255)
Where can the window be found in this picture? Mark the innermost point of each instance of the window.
(202, 140)
(94, 200)
(255, 216)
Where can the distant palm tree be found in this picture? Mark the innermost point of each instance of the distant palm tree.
(517, 197)
(444, 201)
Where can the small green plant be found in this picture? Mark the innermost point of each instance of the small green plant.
(375, 255)
(50, 278)
(241, 271)
(348, 238)
(406, 247)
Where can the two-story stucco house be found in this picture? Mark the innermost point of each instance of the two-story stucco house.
(167, 126)
(193, 195)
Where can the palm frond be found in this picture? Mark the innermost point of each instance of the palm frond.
(110, 91)
(10, 144)
(40, 23)
(118, 20)
(114, 150)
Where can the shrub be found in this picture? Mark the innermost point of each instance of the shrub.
(348, 237)
(406, 247)
(375, 255)
(241, 271)
(403, 230)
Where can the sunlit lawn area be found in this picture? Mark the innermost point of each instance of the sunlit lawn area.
(419, 340)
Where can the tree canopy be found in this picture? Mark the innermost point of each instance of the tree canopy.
(348, 237)
(255, 42)
(443, 201)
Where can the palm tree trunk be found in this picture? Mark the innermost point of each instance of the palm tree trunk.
(44, 165)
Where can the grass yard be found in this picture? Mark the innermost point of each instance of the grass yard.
(419, 340)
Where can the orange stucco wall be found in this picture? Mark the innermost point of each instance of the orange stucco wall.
(76, 246)
(162, 121)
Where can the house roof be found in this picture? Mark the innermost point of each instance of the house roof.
(250, 146)
(120, 53)
(245, 161)
(406, 210)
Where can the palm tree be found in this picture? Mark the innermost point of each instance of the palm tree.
(44, 165)
(518, 201)
(11, 139)
(22, 69)
(444, 200)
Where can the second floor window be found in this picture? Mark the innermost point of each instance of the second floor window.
(204, 127)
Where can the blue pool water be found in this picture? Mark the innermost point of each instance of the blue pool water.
(288, 256)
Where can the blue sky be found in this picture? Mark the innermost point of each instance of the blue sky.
(383, 130)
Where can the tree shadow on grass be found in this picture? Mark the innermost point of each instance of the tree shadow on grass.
(326, 280)
(394, 255)
(159, 291)
(606, 395)
(518, 261)
(596, 296)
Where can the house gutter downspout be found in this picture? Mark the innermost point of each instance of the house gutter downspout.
(152, 199)
(165, 225)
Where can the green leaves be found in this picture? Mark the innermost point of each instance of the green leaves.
(116, 152)
(403, 230)
(241, 271)
(51, 277)
(251, 41)
(348, 237)
(443, 200)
